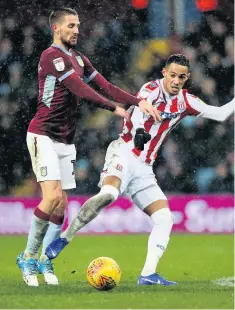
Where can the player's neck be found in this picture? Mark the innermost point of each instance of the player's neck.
(165, 87)
(59, 43)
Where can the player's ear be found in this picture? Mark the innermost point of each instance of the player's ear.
(164, 72)
(188, 76)
(55, 28)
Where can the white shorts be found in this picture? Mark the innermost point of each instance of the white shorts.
(52, 160)
(136, 176)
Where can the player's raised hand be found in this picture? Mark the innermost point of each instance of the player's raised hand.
(122, 112)
(147, 108)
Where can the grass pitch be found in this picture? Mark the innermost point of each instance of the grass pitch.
(192, 260)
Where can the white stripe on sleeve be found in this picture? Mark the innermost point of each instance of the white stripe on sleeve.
(91, 77)
(64, 76)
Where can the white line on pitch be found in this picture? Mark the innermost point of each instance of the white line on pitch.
(229, 281)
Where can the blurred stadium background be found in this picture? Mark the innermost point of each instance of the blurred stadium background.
(128, 41)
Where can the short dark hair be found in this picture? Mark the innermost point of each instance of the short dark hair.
(60, 12)
(178, 59)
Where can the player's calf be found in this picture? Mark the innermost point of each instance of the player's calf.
(94, 205)
(87, 213)
(91, 209)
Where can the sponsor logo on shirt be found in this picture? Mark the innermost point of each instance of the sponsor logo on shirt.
(80, 61)
(166, 115)
(59, 64)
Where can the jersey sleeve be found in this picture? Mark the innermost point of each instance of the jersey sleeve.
(89, 71)
(193, 104)
(55, 64)
(62, 69)
(149, 91)
(105, 87)
(197, 107)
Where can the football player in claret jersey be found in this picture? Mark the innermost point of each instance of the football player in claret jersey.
(63, 74)
(129, 159)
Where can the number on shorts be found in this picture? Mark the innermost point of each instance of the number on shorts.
(73, 162)
(35, 146)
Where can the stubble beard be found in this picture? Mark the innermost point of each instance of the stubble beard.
(68, 44)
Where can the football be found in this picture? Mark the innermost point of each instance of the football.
(103, 273)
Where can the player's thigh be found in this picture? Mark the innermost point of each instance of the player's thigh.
(116, 167)
(45, 161)
(155, 206)
(67, 167)
(142, 177)
(113, 181)
(150, 199)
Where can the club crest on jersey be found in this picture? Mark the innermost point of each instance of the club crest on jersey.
(43, 171)
(119, 167)
(59, 64)
(80, 61)
(181, 106)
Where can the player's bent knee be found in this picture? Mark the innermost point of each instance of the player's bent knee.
(60, 208)
(163, 214)
(106, 196)
(54, 198)
(63, 203)
(59, 211)
(94, 205)
(110, 192)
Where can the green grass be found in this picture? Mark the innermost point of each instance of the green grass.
(194, 261)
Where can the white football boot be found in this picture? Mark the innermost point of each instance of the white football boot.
(45, 267)
(29, 269)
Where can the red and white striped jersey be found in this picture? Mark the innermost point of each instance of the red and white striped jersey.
(173, 110)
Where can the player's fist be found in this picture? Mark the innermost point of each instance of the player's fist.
(122, 112)
(147, 108)
(141, 137)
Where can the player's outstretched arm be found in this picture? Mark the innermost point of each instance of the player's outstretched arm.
(61, 68)
(75, 84)
(115, 92)
(82, 90)
(123, 97)
(106, 87)
(219, 114)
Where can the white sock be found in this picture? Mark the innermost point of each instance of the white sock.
(90, 210)
(53, 232)
(37, 232)
(158, 239)
(73, 228)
